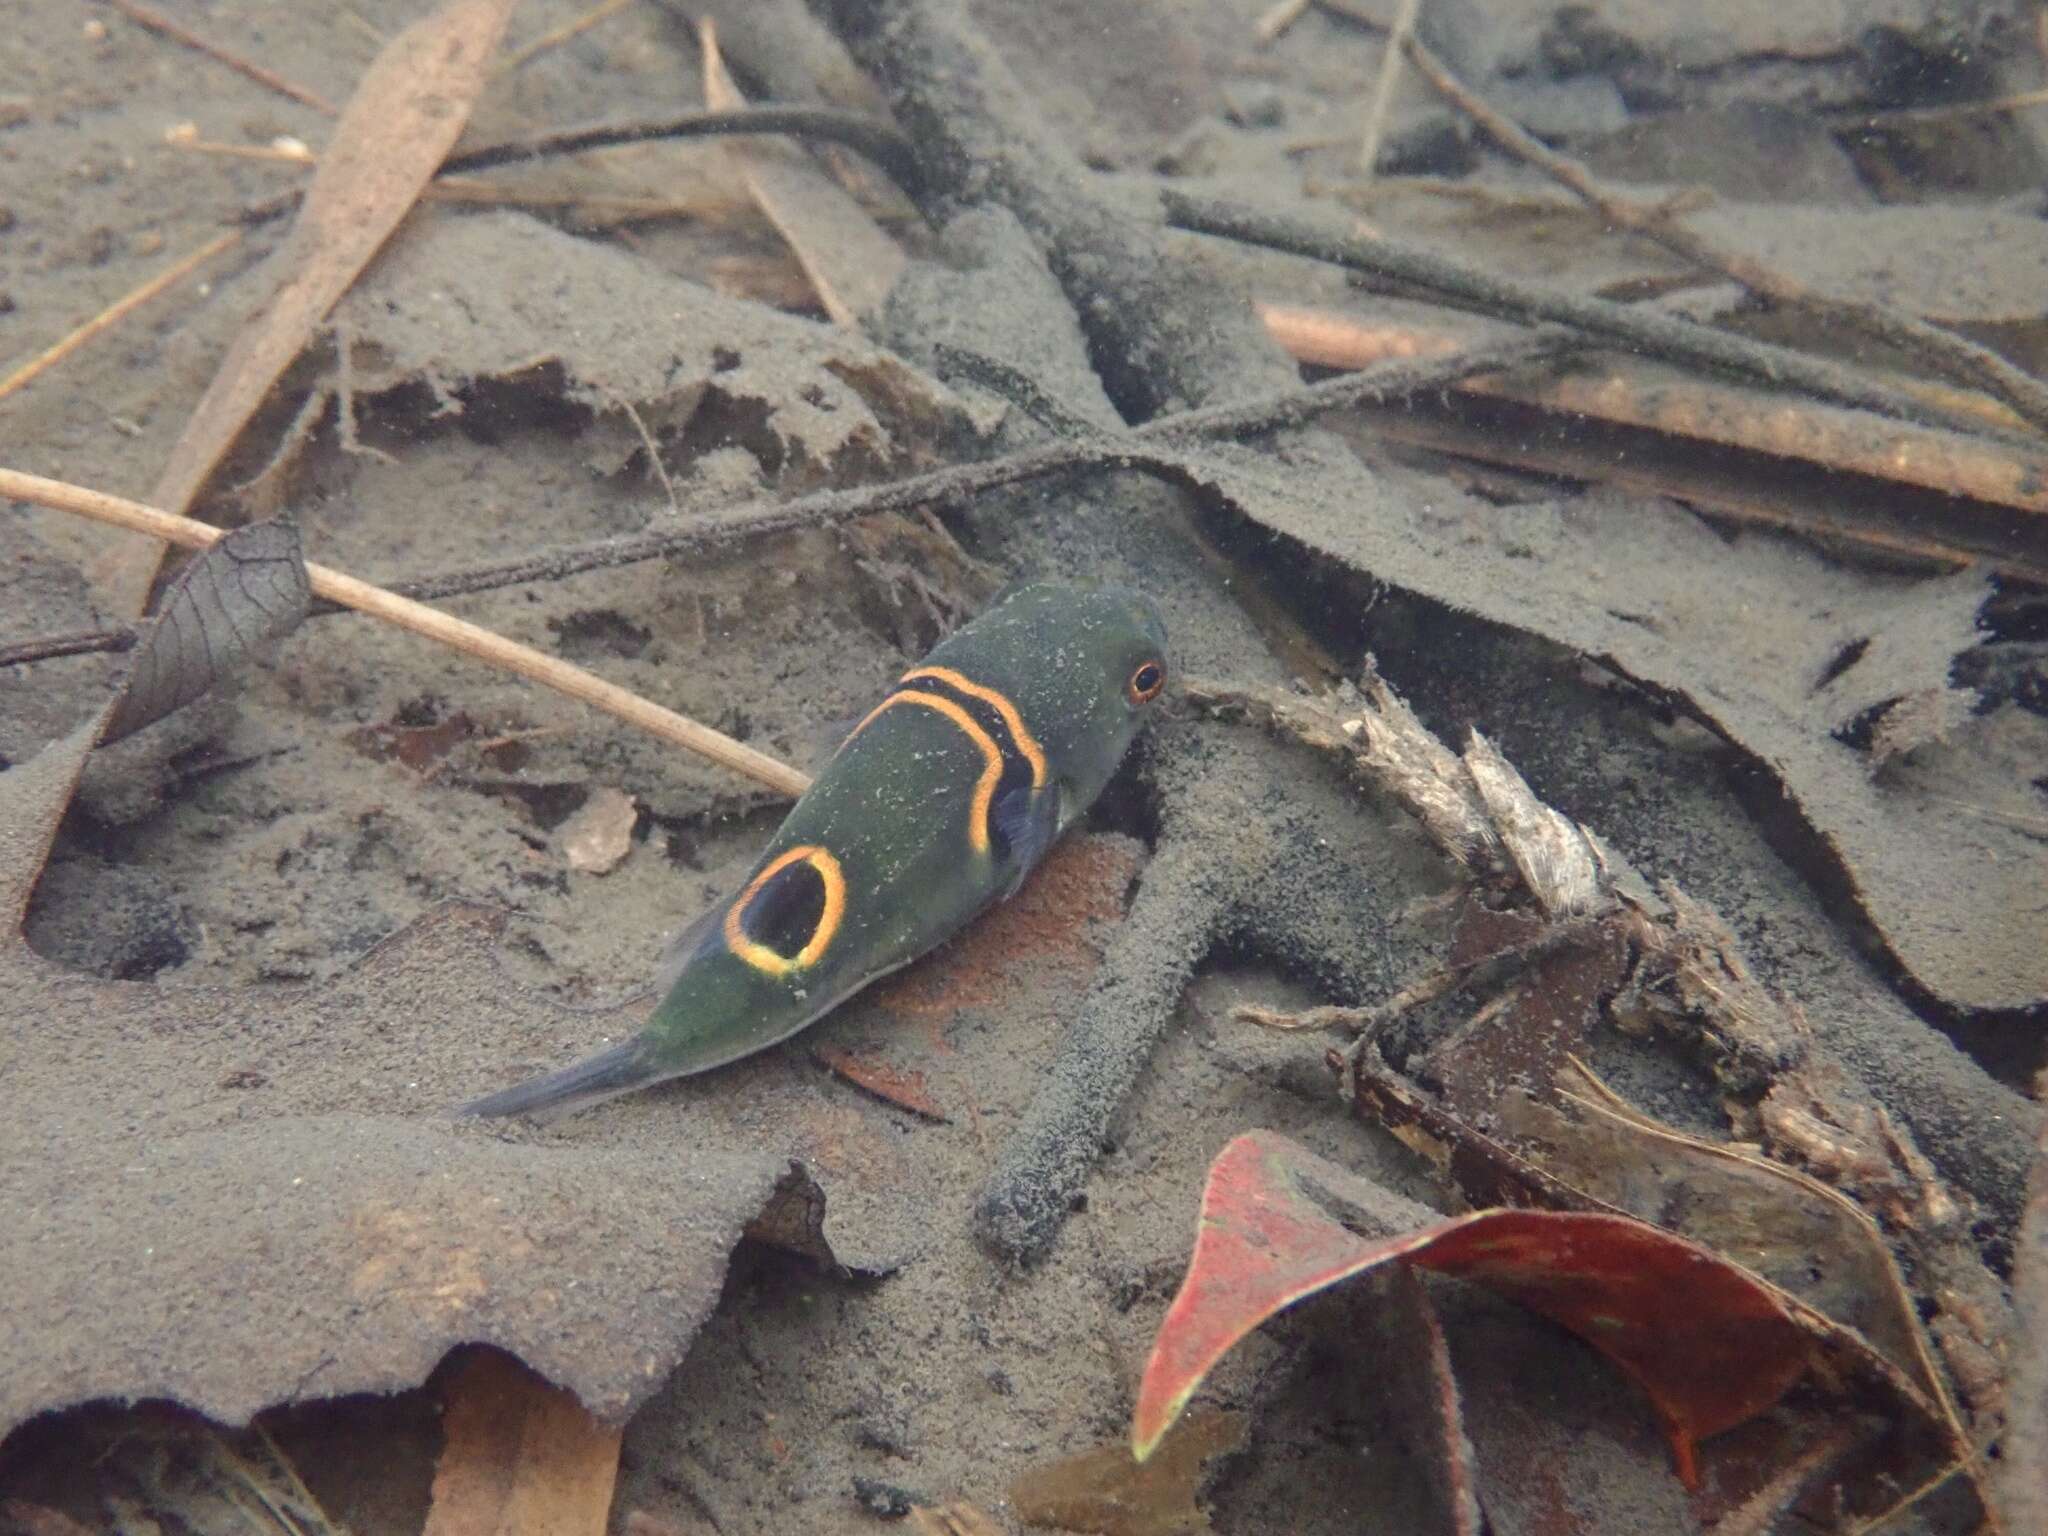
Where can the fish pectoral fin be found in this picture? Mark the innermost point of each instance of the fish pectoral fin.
(1025, 823)
(591, 1081)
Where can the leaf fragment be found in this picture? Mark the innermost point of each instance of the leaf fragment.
(1104, 1492)
(520, 1455)
(248, 588)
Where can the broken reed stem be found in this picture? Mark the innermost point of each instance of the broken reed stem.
(1486, 293)
(1953, 356)
(156, 21)
(116, 312)
(562, 34)
(1277, 18)
(473, 640)
(1930, 459)
(1383, 88)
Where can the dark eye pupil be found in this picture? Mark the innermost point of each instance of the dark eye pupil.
(1147, 678)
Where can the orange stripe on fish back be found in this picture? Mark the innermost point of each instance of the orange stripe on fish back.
(1020, 733)
(991, 754)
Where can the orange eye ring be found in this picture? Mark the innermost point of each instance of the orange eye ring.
(1146, 682)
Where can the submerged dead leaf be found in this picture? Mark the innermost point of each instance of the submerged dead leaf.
(500, 296)
(519, 1455)
(249, 588)
(1782, 652)
(1104, 1492)
(906, 1090)
(1710, 1344)
(289, 1145)
(406, 114)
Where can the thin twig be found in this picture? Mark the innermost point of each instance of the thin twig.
(473, 640)
(960, 483)
(1383, 88)
(116, 312)
(1943, 350)
(951, 486)
(178, 32)
(49, 648)
(562, 34)
(1487, 293)
(1948, 112)
(872, 136)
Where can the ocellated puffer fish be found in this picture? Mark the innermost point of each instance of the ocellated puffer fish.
(937, 805)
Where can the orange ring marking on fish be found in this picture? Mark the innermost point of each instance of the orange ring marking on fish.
(760, 956)
(1020, 733)
(991, 754)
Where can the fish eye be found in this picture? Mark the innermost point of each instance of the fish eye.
(1146, 682)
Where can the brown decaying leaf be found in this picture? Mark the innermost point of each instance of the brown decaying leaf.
(249, 588)
(518, 1456)
(406, 114)
(1104, 1492)
(851, 260)
(906, 1090)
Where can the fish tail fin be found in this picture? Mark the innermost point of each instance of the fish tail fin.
(591, 1081)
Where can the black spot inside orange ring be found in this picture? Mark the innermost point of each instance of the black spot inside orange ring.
(832, 912)
(991, 754)
(1146, 682)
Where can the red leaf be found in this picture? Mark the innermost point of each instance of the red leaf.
(1710, 1343)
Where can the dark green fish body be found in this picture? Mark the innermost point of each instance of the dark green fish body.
(938, 804)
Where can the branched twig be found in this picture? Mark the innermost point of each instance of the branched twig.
(958, 483)
(1958, 359)
(1486, 293)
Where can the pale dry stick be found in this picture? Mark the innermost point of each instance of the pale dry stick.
(1930, 458)
(471, 639)
(116, 312)
(275, 154)
(520, 58)
(1953, 355)
(1277, 19)
(1383, 88)
(148, 16)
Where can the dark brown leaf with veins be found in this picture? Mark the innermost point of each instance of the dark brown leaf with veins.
(246, 590)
